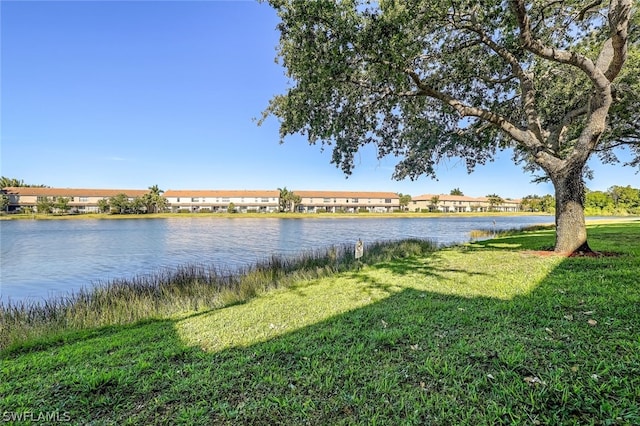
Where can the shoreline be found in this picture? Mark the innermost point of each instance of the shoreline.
(310, 216)
(102, 216)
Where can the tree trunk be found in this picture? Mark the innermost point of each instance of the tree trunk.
(571, 231)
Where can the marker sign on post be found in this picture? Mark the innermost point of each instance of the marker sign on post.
(359, 249)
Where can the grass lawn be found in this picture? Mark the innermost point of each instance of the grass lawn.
(482, 334)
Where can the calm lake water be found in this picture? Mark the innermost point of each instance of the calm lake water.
(50, 258)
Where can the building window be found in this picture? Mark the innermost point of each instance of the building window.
(355, 200)
(264, 200)
(225, 200)
(178, 199)
(195, 200)
(327, 200)
(83, 199)
(387, 200)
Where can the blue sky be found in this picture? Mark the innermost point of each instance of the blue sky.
(119, 94)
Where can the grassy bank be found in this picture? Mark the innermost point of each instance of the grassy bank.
(488, 333)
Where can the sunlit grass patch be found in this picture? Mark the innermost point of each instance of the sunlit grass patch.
(456, 272)
(278, 312)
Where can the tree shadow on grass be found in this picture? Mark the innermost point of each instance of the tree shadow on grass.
(420, 266)
(414, 357)
(538, 240)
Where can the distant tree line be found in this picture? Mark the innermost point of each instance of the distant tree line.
(536, 203)
(617, 200)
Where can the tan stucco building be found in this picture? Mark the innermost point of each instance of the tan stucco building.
(347, 201)
(460, 204)
(219, 200)
(80, 200)
(87, 200)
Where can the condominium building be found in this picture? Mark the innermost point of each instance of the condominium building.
(80, 200)
(461, 203)
(347, 201)
(220, 201)
(89, 200)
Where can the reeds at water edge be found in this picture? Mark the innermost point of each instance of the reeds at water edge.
(181, 290)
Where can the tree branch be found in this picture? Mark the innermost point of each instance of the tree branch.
(526, 82)
(525, 137)
(558, 131)
(536, 47)
(586, 9)
(608, 66)
(614, 52)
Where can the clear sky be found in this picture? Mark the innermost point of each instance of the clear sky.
(119, 94)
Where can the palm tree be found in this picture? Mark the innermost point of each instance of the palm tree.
(434, 202)
(288, 200)
(6, 182)
(155, 190)
(154, 199)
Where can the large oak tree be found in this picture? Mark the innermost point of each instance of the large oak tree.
(556, 81)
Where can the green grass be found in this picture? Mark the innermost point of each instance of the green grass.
(482, 334)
